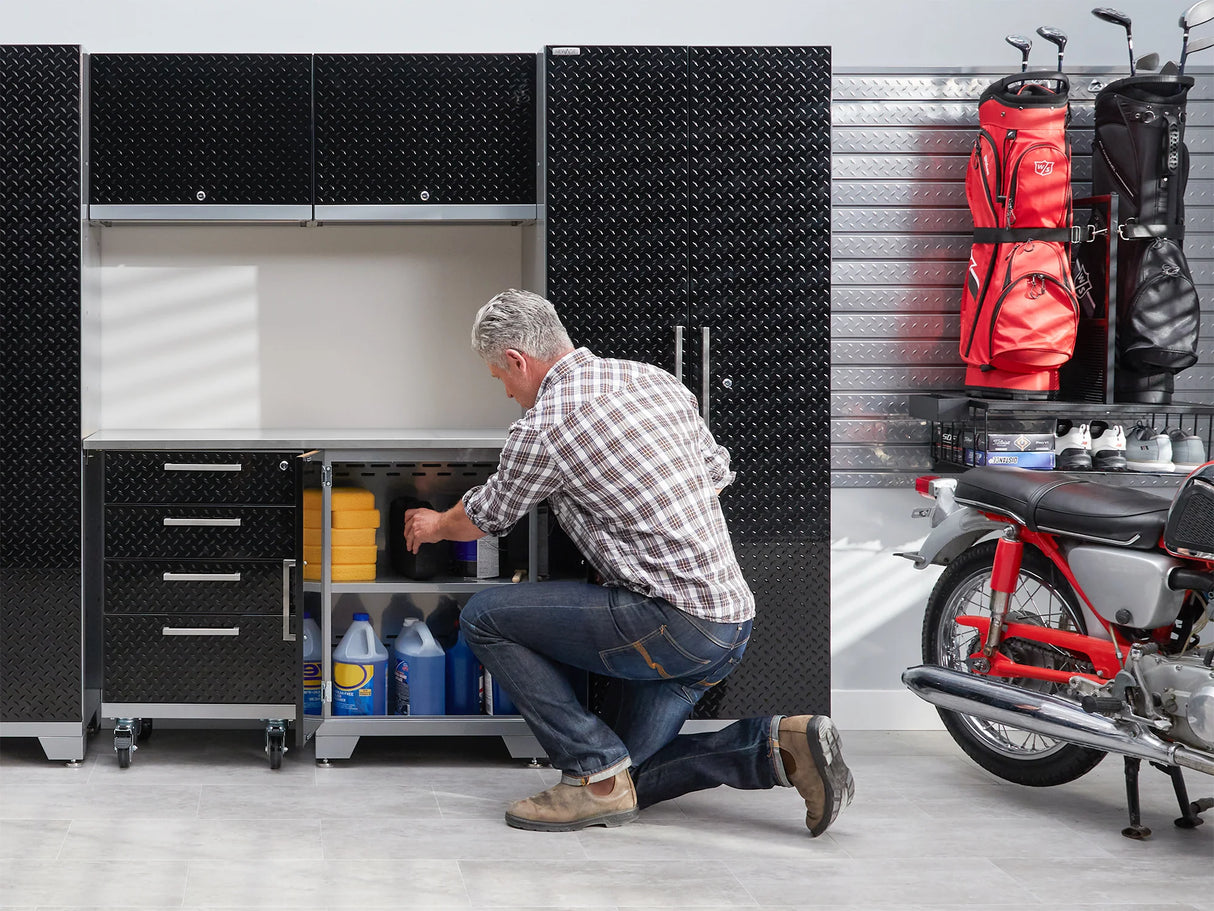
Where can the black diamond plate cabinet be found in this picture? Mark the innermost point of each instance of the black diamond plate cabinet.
(201, 589)
(42, 673)
(431, 130)
(688, 225)
(223, 135)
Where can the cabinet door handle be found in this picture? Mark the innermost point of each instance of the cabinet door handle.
(706, 372)
(195, 466)
(201, 577)
(678, 353)
(200, 631)
(171, 522)
(287, 635)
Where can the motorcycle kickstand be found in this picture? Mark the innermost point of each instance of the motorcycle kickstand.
(1189, 818)
(1135, 829)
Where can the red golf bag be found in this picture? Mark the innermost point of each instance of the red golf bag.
(1019, 312)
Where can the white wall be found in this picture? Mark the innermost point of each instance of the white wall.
(935, 33)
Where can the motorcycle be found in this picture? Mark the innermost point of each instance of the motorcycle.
(1066, 625)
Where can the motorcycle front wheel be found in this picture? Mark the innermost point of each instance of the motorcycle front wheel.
(1042, 597)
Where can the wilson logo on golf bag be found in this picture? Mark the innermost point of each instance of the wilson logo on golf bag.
(1019, 312)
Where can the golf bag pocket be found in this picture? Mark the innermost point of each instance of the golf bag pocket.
(1018, 182)
(1157, 330)
(1031, 325)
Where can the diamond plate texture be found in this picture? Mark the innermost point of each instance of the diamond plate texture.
(617, 186)
(140, 531)
(234, 127)
(40, 611)
(144, 665)
(141, 477)
(760, 268)
(671, 202)
(425, 128)
(786, 668)
(139, 587)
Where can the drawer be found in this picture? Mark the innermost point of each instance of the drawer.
(231, 659)
(200, 532)
(194, 587)
(266, 478)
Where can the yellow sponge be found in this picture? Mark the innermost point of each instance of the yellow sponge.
(341, 537)
(356, 518)
(343, 498)
(342, 554)
(350, 572)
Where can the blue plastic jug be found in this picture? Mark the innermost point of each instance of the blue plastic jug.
(312, 658)
(463, 679)
(418, 671)
(360, 671)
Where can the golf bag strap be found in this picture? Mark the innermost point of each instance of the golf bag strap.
(1147, 232)
(1021, 235)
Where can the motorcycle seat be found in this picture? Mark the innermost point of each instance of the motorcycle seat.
(1053, 502)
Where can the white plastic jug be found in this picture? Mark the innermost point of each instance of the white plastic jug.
(418, 671)
(360, 671)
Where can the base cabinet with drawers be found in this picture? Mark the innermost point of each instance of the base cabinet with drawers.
(200, 590)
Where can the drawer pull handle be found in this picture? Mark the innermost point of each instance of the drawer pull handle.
(171, 522)
(201, 577)
(193, 466)
(200, 631)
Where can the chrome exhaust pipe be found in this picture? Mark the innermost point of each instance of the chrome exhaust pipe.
(1050, 716)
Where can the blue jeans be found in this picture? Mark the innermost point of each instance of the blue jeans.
(666, 659)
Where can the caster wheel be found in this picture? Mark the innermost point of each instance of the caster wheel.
(124, 757)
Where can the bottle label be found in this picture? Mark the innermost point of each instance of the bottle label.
(400, 676)
(311, 687)
(358, 689)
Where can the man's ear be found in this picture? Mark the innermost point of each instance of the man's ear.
(515, 359)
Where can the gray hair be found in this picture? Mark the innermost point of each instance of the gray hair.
(520, 320)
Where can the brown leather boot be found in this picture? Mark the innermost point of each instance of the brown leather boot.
(566, 807)
(813, 763)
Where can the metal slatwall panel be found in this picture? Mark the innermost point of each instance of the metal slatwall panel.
(900, 241)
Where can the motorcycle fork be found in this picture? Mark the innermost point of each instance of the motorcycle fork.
(1009, 553)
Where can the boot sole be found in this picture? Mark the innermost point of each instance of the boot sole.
(610, 820)
(837, 780)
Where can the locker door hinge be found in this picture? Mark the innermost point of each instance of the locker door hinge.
(326, 691)
(326, 475)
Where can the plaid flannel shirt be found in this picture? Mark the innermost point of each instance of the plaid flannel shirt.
(631, 471)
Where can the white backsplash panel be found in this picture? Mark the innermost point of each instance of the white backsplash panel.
(263, 326)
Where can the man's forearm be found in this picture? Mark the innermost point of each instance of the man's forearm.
(454, 525)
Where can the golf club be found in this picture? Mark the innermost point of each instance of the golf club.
(1022, 44)
(1118, 18)
(1168, 69)
(1199, 13)
(1057, 37)
(1149, 62)
(1196, 47)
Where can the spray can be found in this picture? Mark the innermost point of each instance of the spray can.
(360, 671)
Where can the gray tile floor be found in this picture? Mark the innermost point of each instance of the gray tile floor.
(199, 821)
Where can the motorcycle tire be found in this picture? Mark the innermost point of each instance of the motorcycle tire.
(1042, 596)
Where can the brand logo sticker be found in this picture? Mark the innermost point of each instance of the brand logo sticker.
(1044, 168)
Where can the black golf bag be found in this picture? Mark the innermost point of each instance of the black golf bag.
(1139, 153)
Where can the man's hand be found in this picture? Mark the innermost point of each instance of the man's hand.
(422, 526)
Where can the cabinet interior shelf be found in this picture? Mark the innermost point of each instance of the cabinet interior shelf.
(406, 586)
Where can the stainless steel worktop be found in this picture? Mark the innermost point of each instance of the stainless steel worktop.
(290, 438)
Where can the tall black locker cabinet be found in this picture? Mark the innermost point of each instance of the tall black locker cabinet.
(688, 225)
(42, 690)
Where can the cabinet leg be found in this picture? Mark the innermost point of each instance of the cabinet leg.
(339, 746)
(64, 749)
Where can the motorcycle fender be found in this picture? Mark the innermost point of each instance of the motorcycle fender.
(959, 531)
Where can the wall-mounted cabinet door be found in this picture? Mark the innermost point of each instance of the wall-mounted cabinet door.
(200, 136)
(417, 136)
